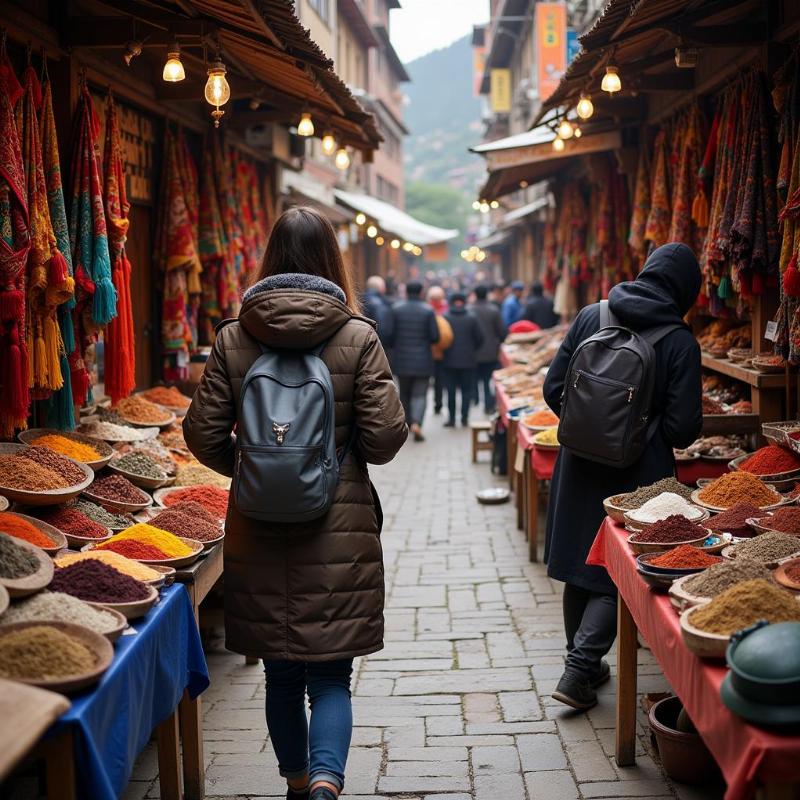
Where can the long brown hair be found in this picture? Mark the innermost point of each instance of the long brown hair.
(303, 240)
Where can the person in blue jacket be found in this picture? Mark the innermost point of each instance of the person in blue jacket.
(662, 294)
(512, 307)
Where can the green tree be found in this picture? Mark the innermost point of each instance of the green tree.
(442, 206)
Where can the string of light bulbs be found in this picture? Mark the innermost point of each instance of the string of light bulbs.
(372, 232)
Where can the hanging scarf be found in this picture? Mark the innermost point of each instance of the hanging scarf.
(60, 410)
(230, 300)
(120, 352)
(689, 141)
(641, 208)
(96, 298)
(15, 242)
(49, 282)
(178, 260)
(213, 250)
(657, 226)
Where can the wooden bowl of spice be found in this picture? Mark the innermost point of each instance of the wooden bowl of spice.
(188, 519)
(681, 598)
(153, 546)
(38, 476)
(213, 498)
(702, 643)
(769, 549)
(117, 493)
(141, 413)
(788, 574)
(3, 503)
(77, 528)
(135, 608)
(738, 487)
(140, 470)
(59, 656)
(32, 530)
(24, 568)
(95, 453)
(4, 599)
(167, 397)
(614, 510)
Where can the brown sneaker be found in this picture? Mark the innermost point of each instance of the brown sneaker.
(417, 432)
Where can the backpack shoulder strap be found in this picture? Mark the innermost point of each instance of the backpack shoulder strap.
(655, 335)
(607, 318)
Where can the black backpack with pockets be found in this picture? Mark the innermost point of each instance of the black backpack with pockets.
(607, 401)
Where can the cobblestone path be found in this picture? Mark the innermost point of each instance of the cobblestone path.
(457, 706)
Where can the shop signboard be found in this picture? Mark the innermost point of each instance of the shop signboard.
(550, 25)
(500, 91)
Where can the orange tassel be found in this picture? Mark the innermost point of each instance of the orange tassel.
(700, 209)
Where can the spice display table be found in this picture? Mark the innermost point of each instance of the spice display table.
(751, 759)
(157, 673)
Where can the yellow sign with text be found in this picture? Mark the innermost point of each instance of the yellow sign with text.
(500, 96)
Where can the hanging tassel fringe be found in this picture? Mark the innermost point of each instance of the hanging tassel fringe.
(61, 413)
(80, 381)
(791, 278)
(53, 347)
(67, 326)
(104, 302)
(14, 378)
(39, 374)
(724, 288)
(59, 271)
(12, 305)
(700, 209)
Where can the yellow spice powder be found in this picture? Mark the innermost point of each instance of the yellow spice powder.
(169, 544)
(126, 565)
(68, 447)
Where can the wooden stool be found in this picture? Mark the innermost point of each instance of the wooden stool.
(479, 444)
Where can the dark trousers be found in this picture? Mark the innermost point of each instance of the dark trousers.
(590, 621)
(414, 397)
(484, 382)
(462, 380)
(438, 386)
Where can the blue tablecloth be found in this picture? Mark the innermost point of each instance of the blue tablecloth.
(113, 721)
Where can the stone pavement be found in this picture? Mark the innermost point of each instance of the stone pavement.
(457, 706)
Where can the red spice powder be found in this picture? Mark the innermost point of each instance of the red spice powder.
(73, 523)
(785, 520)
(770, 460)
(135, 550)
(22, 529)
(211, 498)
(685, 557)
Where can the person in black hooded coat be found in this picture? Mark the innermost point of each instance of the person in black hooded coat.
(662, 294)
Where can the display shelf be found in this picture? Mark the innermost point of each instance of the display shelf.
(759, 380)
(724, 424)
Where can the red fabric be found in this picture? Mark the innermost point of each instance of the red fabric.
(689, 471)
(747, 755)
(524, 326)
(543, 463)
(500, 400)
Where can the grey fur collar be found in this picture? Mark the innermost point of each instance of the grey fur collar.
(296, 280)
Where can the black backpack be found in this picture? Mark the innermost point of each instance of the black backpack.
(608, 393)
(287, 467)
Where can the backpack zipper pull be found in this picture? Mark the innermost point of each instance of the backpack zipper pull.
(630, 394)
(577, 378)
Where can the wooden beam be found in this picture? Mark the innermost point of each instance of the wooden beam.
(681, 80)
(261, 23)
(721, 35)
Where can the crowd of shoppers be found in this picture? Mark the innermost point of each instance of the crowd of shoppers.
(450, 336)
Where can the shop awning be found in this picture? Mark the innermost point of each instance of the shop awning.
(529, 158)
(523, 212)
(393, 220)
(274, 68)
(640, 39)
(495, 239)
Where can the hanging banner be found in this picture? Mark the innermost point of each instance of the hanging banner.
(551, 40)
(478, 66)
(501, 91)
(573, 45)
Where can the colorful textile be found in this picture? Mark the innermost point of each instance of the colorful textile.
(641, 209)
(658, 220)
(178, 258)
(48, 281)
(95, 295)
(60, 409)
(231, 283)
(120, 351)
(689, 132)
(15, 242)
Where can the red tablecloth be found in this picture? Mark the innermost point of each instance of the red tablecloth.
(500, 399)
(543, 463)
(689, 471)
(746, 754)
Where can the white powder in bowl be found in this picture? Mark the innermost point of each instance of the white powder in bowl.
(664, 505)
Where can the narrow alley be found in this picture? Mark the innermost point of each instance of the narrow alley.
(458, 703)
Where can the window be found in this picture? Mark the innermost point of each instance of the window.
(323, 9)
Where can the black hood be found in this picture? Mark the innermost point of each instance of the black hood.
(663, 291)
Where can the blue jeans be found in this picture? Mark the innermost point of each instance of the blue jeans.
(319, 749)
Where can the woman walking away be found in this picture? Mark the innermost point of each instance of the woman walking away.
(306, 597)
(661, 295)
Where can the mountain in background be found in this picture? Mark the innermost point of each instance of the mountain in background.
(444, 119)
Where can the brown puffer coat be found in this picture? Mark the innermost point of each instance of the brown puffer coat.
(307, 591)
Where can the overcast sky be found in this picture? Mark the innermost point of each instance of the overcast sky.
(424, 25)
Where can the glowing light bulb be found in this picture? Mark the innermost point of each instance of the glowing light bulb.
(611, 82)
(494, 204)
(173, 68)
(585, 107)
(342, 159)
(577, 133)
(306, 125)
(372, 231)
(565, 129)
(328, 144)
(361, 219)
(558, 144)
(217, 91)
(395, 244)
(523, 184)
(417, 250)
(485, 207)
(476, 205)
(379, 241)
(408, 247)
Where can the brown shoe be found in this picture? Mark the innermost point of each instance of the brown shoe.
(417, 431)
